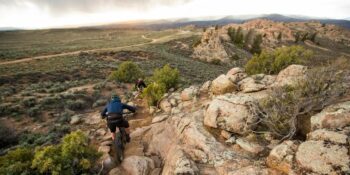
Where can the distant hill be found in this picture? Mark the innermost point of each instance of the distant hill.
(203, 22)
(8, 28)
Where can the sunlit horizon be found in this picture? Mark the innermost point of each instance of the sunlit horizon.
(38, 14)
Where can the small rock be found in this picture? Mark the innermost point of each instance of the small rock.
(236, 74)
(104, 149)
(76, 119)
(116, 171)
(165, 105)
(138, 165)
(107, 143)
(205, 87)
(101, 132)
(222, 85)
(108, 162)
(231, 140)
(107, 137)
(159, 118)
(249, 146)
(152, 109)
(281, 157)
(225, 134)
(189, 93)
(156, 171)
(131, 104)
(173, 102)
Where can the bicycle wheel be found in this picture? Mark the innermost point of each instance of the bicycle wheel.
(118, 146)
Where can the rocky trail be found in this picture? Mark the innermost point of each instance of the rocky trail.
(207, 129)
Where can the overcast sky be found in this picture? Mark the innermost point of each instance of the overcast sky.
(60, 13)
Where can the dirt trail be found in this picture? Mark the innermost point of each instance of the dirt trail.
(156, 40)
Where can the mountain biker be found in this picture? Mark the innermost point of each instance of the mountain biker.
(113, 113)
(140, 85)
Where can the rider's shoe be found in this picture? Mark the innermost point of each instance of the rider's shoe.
(128, 138)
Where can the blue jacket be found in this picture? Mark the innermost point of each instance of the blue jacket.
(117, 107)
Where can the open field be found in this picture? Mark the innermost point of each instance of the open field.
(22, 44)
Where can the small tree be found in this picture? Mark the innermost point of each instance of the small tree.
(312, 37)
(239, 37)
(256, 49)
(232, 33)
(273, 62)
(279, 114)
(297, 37)
(247, 39)
(17, 161)
(153, 93)
(167, 76)
(279, 37)
(127, 72)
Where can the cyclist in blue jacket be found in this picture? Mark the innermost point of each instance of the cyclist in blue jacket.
(113, 113)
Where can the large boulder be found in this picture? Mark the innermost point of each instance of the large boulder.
(189, 93)
(281, 157)
(231, 113)
(222, 85)
(323, 158)
(291, 76)
(236, 74)
(332, 117)
(138, 165)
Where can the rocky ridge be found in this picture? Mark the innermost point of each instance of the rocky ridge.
(203, 130)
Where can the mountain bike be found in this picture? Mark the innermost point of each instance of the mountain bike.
(119, 144)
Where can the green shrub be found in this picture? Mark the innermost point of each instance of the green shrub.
(17, 161)
(29, 102)
(256, 49)
(34, 111)
(236, 36)
(167, 76)
(75, 104)
(53, 100)
(153, 93)
(127, 72)
(100, 102)
(216, 61)
(279, 37)
(7, 136)
(196, 42)
(72, 156)
(9, 109)
(273, 62)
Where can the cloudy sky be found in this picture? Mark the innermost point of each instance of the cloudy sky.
(60, 13)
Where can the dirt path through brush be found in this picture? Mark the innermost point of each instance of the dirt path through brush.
(156, 40)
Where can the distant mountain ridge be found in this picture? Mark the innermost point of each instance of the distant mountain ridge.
(208, 21)
(202, 22)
